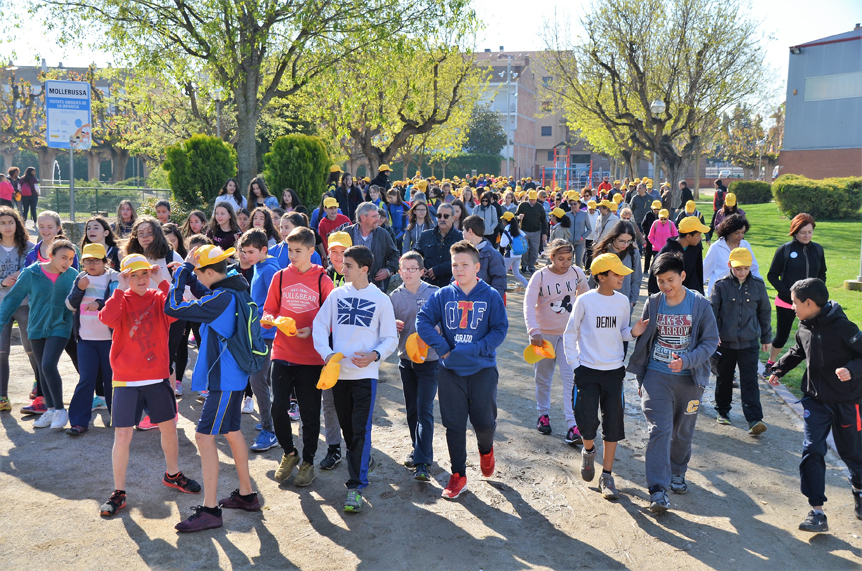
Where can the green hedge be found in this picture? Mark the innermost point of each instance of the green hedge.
(300, 162)
(198, 168)
(751, 191)
(826, 199)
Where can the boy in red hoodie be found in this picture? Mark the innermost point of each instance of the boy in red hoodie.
(297, 292)
(141, 370)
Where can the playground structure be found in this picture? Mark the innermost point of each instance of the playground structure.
(569, 175)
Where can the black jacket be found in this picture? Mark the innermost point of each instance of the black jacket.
(383, 250)
(382, 180)
(743, 312)
(434, 248)
(684, 196)
(826, 342)
(794, 261)
(646, 225)
(693, 260)
(535, 217)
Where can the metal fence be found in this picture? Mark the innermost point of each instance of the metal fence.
(90, 200)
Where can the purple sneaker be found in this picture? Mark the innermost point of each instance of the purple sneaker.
(235, 502)
(199, 521)
(543, 425)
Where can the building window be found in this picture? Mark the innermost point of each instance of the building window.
(546, 131)
(546, 106)
(838, 86)
(546, 80)
(551, 156)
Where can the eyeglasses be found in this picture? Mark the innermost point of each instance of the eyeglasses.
(145, 234)
(445, 216)
(624, 242)
(410, 270)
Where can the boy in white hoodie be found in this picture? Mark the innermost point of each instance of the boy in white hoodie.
(362, 325)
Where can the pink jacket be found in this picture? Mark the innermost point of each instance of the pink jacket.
(660, 231)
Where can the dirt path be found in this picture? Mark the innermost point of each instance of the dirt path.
(741, 511)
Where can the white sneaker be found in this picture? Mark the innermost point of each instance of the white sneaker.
(45, 420)
(248, 405)
(179, 389)
(61, 419)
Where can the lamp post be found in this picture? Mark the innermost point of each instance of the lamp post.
(509, 77)
(657, 107)
(217, 93)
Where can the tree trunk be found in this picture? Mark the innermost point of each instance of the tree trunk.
(246, 126)
(119, 161)
(8, 157)
(696, 183)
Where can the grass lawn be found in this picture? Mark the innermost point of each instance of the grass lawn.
(841, 243)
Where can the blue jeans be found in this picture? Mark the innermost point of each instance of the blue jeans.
(94, 357)
(47, 352)
(419, 382)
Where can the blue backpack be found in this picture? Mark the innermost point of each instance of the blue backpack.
(519, 244)
(246, 345)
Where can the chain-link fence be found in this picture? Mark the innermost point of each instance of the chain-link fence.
(90, 200)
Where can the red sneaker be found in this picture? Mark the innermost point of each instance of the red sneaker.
(38, 406)
(486, 461)
(457, 484)
(145, 424)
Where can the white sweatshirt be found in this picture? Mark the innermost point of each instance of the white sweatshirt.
(597, 328)
(360, 320)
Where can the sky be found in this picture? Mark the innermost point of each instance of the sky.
(517, 25)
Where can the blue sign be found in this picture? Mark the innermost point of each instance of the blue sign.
(67, 107)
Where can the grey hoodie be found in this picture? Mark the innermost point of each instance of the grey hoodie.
(406, 305)
(11, 262)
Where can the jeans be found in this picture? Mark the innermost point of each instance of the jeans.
(749, 391)
(95, 360)
(843, 420)
(47, 352)
(261, 384)
(302, 379)
(354, 402)
(579, 254)
(473, 397)
(419, 381)
(29, 203)
(21, 315)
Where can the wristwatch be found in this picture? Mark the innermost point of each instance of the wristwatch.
(378, 356)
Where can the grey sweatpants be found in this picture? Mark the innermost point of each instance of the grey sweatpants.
(534, 244)
(670, 404)
(545, 376)
(332, 429)
(261, 386)
(579, 254)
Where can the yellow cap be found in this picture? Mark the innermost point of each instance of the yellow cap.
(730, 199)
(285, 324)
(422, 185)
(208, 255)
(591, 204)
(690, 207)
(609, 262)
(574, 195)
(367, 179)
(96, 251)
(339, 239)
(606, 203)
(664, 214)
(507, 216)
(134, 262)
(532, 195)
(692, 224)
(618, 182)
(740, 257)
(335, 168)
(330, 372)
(638, 181)
(558, 212)
(614, 206)
(656, 204)
(417, 350)
(329, 202)
(618, 198)
(533, 354)
(384, 168)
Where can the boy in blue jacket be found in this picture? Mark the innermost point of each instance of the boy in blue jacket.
(215, 371)
(473, 321)
(253, 245)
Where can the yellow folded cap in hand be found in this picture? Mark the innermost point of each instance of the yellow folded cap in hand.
(416, 349)
(285, 324)
(533, 354)
(330, 372)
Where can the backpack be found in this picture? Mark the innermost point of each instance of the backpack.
(246, 345)
(519, 244)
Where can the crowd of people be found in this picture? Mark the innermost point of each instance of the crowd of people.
(295, 306)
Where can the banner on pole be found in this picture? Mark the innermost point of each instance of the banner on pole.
(67, 107)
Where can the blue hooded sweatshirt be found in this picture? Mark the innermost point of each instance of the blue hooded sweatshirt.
(473, 327)
(263, 272)
(279, 252)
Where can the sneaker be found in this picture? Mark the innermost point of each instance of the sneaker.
(145, 424)
(722, 419)
(608, 487)
(354, 502)
(34, 391)
(45, 420)
(658, 502)
(677, 484)
(857, 500)
(77, 430)
(5, 404)
(115, 503)
(332, 459)
(408, 461)
(258, 427)
(815, 522)
(38, 406)
(236, 502)
(420, 473)
(588, 467)
(179, 388)
(199, 521)
(181, 483)
(60, 419)
(305, 475)
(767, 370)
(756, 427)
(486, 462)
(293, 412)
(573, 437)
(288, 463)
(247, 405)
(264, 441)
(99, 403)
(543, 425)
(735, 383)
(456, 486)
(202, 397)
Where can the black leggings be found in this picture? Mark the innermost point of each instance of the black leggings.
(784, 323)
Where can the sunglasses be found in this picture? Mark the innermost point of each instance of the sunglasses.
(445, 216)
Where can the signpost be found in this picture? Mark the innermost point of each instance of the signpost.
(67, 107)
